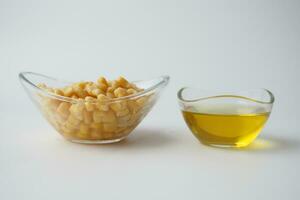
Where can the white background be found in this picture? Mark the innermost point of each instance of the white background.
(207, 44)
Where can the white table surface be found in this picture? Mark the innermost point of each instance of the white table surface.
(208, 44)
(155, 162)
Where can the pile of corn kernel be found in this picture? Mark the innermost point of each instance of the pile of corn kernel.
(94, 112)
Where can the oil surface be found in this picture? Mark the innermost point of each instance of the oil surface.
(225, 129)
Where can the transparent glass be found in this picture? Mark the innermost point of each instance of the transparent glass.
(99, 125)
(226, 119)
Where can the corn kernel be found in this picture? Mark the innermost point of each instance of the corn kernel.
(83, 128)
(109, 127)
(63, 109)
(122, 82)
(59, 92)
(115, 84)
(120, 92)
(131, 91)
(73, 121)
(89, 106)
(109, 117)
(133, 106)
(77, 109)
(102, 87)
(123, 112)
(102, 106)
(110, 90)
(97, 126)
(87, 117)
(142, 101)
(116, 106)
(96, 92)
(82, 135)
(68, 91)
(98, 116)
(102, 80)
(110, 95)
(96, 134)
(124, 121)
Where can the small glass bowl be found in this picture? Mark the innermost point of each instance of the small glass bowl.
(225, 119)
(101, 125)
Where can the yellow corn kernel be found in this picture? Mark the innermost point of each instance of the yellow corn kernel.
(102, 106)
(83, 128)
(87, 117)
(110, 90)
(97, 126)
(115, 84)
(102, 84)
(105, 117)
(68, 91)
(96, 134)
(89, 88)
(63, 109)
(123, 112)
(102, 87)
(102, 103)
(73, 121)
(98, 116)
(96, 92)
(116, 106)
(82, 84)
(74, 96)
(89, 105)
(82, 93)
(124, 121)
(109, 117)
(77, 110)
(120, 92)
(102, 80)
(82, 135)
(142, 101)
(52, 104)
(133, 86)
(131, 91)
(59, 92)
(67, 132)
(78, 88)
(110, 127)
(60, 119)
(133, 106)
(102, 97)
(110, 95)
(122, 82)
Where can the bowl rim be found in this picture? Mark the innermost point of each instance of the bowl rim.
(22, 76)
(182, 99)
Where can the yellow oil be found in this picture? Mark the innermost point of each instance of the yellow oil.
(223, 129)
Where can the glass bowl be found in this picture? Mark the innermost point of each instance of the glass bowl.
(107, 122)
(225, 119)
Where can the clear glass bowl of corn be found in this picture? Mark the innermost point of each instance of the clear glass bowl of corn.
(93, 112)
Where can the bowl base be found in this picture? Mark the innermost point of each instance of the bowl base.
(234, 145)
(96, 141)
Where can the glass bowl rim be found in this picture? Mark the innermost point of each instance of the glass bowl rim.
(182, 99)
(22, 77)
